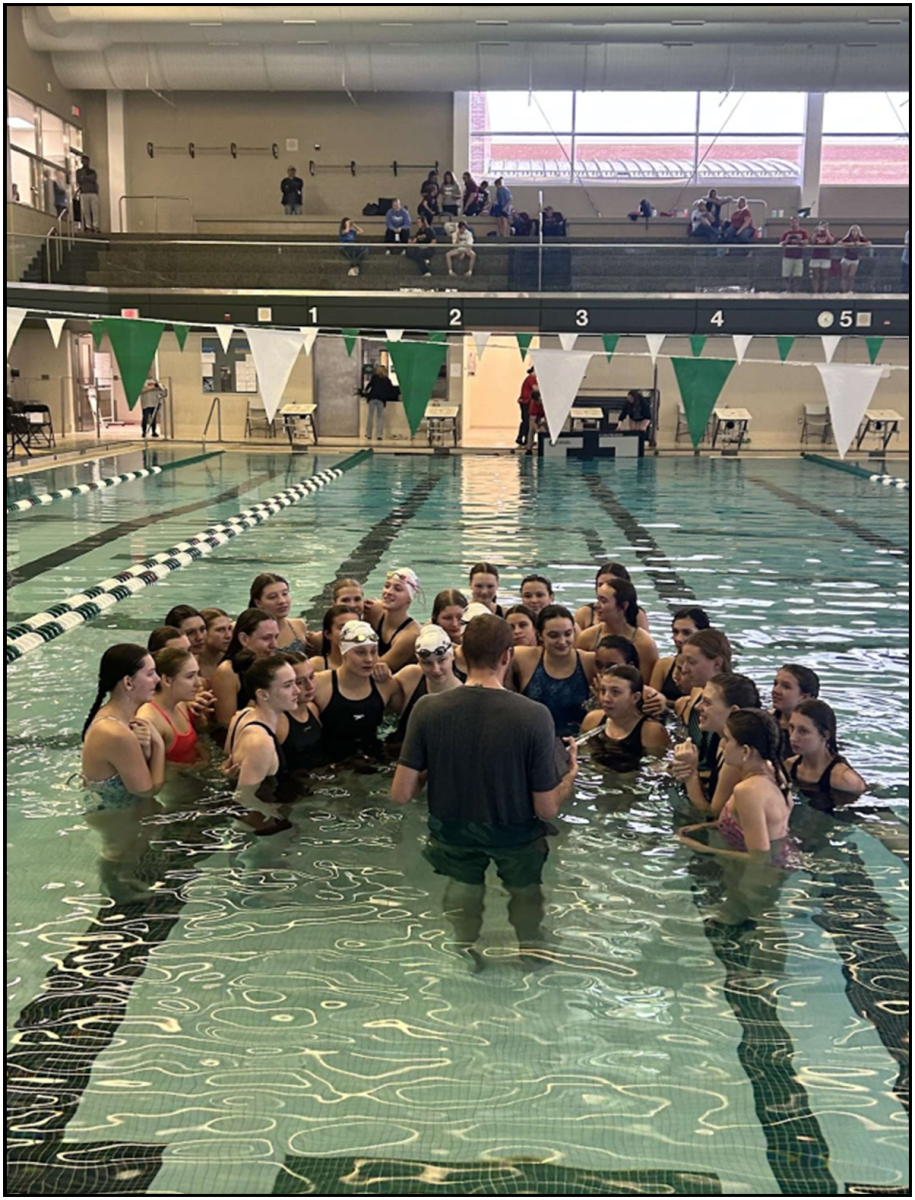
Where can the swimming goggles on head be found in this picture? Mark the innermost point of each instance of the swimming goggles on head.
(439, 652)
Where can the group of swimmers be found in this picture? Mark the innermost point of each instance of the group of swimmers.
(281, 700)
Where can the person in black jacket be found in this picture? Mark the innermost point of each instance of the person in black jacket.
(380, 391)
(636, 410)
(291, 190)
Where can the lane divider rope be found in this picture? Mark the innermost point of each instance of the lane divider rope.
(860, 472)
(97, 485)
(60, 618)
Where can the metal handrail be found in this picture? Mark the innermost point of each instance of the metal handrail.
(217, 406)
(56, 235)
(156, 199)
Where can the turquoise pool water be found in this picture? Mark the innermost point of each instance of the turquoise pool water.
(286, 1007)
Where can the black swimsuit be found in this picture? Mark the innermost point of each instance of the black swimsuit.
(668, 688)
(383, 646)
(705, 743)
(352, 725)
(400, 733)
(303, 744)
(621, 754)
(820, 793)
(280, 755)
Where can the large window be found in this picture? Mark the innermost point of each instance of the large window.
(684, 137)
(43, 149)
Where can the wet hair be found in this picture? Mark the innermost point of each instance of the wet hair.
(483, 568)
(616, 641)
(713, 644)
(170, 661)
(485, 640)
(698, 616)
(819, 712)
(616, 570)
(159, 637)
(246, 623)
(445, 600)
(293, 657)
(344, 583)
(551, 613)
(537, 579)
(335, 610)
(626, 598)
(212, 615)
(261, 673)
(118, 662)
(632, 676)
(737, 691)
(179, 614)
(260, 585)
(756, 728)
(808, 681)
(524, 612)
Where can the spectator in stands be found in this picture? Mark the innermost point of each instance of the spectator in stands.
(820, 257)
(483, 200)
(554, 223)
(528, 387)
(740, 227)
(14, 193)
(793, 241)
(522, 224)
(429, 194)
(470, 197)
(700, 223)
(291, 191)
(713, 203)
(87, 182)
(353, 254)
(463, 241)
(422, 252)
(502, 208)
(397, 222)
(450, 194)
(851, 244)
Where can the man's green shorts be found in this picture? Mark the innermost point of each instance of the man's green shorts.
(517, 866)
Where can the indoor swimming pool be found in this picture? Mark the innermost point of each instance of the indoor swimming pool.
(285, 1016)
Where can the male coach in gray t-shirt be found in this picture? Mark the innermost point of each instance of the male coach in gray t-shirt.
(493, 781)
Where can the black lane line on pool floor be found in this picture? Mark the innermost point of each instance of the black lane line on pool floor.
(846, 523)
(58, 558)
(669, 584)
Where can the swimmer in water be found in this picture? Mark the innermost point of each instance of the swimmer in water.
(627, 733)
(817, 769)
(722, 695)
(448, 611)
(300, 731)
(271, 593)
(254, 636)
(219, 635)
(536, 593)
(704, 655)
(523, 621)
(432, 674)
(617, 610)
(351, 701)
(792, 684)
(170, 712)
(189, 621)
(557, 675)
(686, 622)
(167, 637)
(484, 586)
(334, 619)
(586, 616)
(396, 629)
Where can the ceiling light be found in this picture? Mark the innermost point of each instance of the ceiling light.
(396, 24)
(204, 24)
(866, 45)
(19, 123)
(490, 22)
(883, 21)
(671, 45)
(685, 21)
(296, 21)
(223, 43)
(312, 43)
(403, 43)
(494, 43)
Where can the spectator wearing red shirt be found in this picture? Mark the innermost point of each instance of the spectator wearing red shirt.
(851, 245)
(793, 240)
(820, 256)
(528, 387)
(740, 227)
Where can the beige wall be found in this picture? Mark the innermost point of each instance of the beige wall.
(30, 73)
(45, 374)
(491, 391)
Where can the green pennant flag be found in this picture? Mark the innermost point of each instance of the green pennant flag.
(349, 337)
(784, 346)
(524, 341)
(610, 341)
(697, 343)
(180, 332)
(134, 344)
(98, 332)
(873, 348)
(417, 366)
(437, 335)
(700, 381)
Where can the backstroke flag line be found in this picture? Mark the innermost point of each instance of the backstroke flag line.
(559, 374)
(741, 344)
(700, 381)
(309, 334)
(480, 342)
(14, 318)
(849, 390)
(134, 344)
(830, 345)
(224, 333)
(274, 357)
(655, 342)
(567, 341)
(417, 366)
(56, 326)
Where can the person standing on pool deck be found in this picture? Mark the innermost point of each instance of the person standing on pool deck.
(493, 782)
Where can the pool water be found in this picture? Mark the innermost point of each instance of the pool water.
(285, 1016)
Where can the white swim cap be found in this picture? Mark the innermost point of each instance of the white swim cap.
(474, 610)
(406, 577)
(433, 640)
(357, 633)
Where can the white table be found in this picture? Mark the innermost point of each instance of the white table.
(441, 419)
(884, 422)
(292, 414)
(734, 420)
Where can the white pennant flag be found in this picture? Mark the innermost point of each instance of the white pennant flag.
(14, 318)
(275, 352)
(224, 333)
(849, 390)
(568, 340)
(741, 342)
(830, 345)
(56, 326)
(309, 334)
(481, 341)
(655, 342)
(559, 376)
(394, 335)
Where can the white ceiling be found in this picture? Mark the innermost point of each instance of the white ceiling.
(455, 47)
